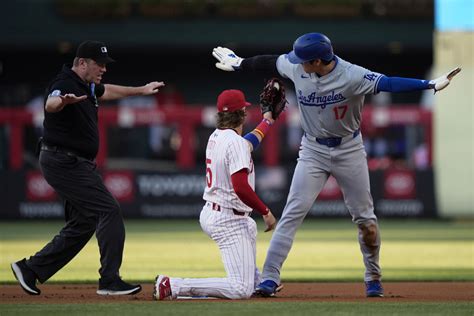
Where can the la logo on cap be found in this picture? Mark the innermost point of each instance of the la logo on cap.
(103, 49)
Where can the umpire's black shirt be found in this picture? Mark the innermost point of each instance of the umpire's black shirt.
(75, 126)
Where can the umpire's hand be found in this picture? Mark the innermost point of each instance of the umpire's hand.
(70, 98)
(152, 87)
(57, 102)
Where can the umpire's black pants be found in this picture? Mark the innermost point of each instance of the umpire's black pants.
(89, 208)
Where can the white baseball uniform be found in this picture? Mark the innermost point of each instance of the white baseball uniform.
(225, 219)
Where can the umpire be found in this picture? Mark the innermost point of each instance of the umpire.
(68, 149)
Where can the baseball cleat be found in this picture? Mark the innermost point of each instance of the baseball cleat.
(117, 287)
(25, 276)
(374, 288)
(267, 288)
(162, 288)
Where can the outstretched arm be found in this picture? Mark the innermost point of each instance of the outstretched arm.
(113, 92)
(56, 102)
(229, 61)
(264, 63)
(398, 84)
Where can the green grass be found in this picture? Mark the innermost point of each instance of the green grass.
(241, 308)
(324, 250)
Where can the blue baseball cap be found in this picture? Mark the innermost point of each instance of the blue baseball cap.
(309, 47)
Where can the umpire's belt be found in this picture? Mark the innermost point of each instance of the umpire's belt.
(331, 141)
(216, 207)
(57, 149)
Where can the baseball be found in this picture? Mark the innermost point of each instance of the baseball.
(276, 85)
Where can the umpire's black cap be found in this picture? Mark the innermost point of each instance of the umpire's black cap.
(94, 50)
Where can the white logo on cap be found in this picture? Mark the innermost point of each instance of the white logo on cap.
(103, 49)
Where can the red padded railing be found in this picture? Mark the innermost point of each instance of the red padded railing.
(188, 118)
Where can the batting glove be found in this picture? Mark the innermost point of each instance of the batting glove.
(442, 82)
(228, 60)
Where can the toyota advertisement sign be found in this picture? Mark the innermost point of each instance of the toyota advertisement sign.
(396, 193)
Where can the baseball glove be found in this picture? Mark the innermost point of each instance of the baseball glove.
(272, 98)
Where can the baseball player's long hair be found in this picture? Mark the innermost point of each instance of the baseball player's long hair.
(230, 119)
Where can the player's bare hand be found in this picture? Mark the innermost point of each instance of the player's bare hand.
(270, 221)
(442, 82)
(152, 87)
(228, 60)
(70, 98)
(269, 116)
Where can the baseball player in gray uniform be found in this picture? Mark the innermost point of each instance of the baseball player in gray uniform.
(330, 93)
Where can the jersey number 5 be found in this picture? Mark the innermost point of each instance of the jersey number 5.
(208, 173)
(340, 111)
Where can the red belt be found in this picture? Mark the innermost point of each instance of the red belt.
(217, 207)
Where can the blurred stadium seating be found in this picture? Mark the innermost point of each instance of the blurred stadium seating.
(171, 40)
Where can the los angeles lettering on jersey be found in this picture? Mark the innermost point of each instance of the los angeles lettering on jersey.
(322, 101)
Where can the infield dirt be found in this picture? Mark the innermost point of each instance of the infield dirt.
(324, 292)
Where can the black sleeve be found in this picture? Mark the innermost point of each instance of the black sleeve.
(263, 63)
(99, 90)
(59, 87)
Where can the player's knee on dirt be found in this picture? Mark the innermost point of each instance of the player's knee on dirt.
(242, 291)
(369, 232)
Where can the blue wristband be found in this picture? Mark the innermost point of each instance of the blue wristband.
(253, 139)
(398, 84)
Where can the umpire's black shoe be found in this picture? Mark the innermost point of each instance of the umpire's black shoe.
(117, 287)
(26, 277)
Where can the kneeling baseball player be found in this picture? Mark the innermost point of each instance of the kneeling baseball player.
(230, 198)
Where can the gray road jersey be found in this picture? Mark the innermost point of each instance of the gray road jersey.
(330, 105)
